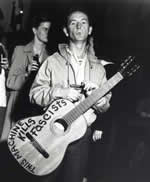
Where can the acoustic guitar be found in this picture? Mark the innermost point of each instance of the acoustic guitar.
(39, 145)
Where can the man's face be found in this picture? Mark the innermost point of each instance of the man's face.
(42, 31)
(78, 26)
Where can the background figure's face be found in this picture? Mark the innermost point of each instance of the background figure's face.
(41, 32)
(78, 26)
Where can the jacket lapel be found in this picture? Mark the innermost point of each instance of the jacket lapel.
(28, 49)
(44, 56)
(87, 71)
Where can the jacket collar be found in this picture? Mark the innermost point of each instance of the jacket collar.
(29, 47)
(91, 54)
(62, 48)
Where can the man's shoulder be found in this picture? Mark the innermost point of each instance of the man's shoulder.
(25, 47)
(19, 47)
(18, 50)
(97, 62)
(101, 62)
(56, 56)
(53, 56)
(99, 66)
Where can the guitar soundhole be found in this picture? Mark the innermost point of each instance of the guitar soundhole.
(60, 126)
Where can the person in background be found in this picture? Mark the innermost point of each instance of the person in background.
(4, 65)
(25, 62)
(75, 64)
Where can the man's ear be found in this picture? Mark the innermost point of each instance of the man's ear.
(65, 31)
(90, 30)
(34, 30)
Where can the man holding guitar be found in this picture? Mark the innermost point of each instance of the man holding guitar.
(72, 74)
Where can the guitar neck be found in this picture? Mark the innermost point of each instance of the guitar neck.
(93, 98)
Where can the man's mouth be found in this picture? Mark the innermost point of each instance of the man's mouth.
(78, 33)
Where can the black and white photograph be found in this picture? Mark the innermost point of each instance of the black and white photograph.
(74, 90)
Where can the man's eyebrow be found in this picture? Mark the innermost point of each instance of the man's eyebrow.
(86, 19)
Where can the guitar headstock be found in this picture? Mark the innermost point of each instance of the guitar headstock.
(128, 67)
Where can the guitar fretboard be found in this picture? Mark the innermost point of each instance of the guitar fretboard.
(97, 94)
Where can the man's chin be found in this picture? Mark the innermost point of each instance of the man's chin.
(80, 38)
(45, 41)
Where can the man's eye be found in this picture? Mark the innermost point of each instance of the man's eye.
(45, 29)
(84, 22)
(72, 23)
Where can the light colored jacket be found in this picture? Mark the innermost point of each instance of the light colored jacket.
(17, 77)
(56, 72)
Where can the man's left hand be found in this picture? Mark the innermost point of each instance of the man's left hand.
(4, 63)
(102, 102)
(97, 135)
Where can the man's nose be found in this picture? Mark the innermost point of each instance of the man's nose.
(78, 25)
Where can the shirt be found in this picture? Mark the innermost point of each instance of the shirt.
(2, 89)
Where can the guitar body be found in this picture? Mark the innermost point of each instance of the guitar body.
(38, 144)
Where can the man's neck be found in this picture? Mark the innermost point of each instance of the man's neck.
(78, 49)
(38, 46)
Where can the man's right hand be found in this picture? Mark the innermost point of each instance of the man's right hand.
(34, 66)
(68, 93)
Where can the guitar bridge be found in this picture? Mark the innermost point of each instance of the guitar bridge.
(37, 146)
